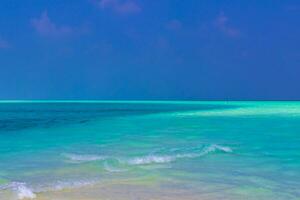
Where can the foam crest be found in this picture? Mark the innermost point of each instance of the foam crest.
(78, 158)
(149, 159)
(215, 147)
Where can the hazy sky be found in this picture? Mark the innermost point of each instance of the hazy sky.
(150, 49)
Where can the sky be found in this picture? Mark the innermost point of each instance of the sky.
(150, 49)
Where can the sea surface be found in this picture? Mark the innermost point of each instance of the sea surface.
(149, 150)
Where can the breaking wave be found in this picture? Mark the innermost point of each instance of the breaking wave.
(149, 159)
(21, 189)
(79, 158)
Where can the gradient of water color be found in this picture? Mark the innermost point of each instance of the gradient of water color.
(208, 150)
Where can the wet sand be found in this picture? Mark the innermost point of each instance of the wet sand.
(125, 190)
(120, 192)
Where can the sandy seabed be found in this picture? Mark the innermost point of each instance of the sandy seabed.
(121, 191)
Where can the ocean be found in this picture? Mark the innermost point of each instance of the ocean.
(90, 150)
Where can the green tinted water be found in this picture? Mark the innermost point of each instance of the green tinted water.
(240, 149)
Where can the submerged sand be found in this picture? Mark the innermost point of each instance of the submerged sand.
(125, 190)
(120, 192)
(134, 192)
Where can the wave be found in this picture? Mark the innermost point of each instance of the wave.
(215, 147)
(61, 185)
(21, 189)
(149, 159)
(109, 168)
(79, 158)
(82, 158)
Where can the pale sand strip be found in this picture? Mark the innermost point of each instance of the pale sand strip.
(122, 192)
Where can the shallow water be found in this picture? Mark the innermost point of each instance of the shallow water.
(233, 150)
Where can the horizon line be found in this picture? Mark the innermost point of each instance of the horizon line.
(130, 101)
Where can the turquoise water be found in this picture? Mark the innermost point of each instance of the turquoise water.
(234, 150)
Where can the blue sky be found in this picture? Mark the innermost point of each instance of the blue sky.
(143, 49)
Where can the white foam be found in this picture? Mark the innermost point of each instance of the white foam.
(149, 159)
(61, 185)
(64, 184)
(78, 158)
(25, 193)
(215, 147)
(22, 191)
